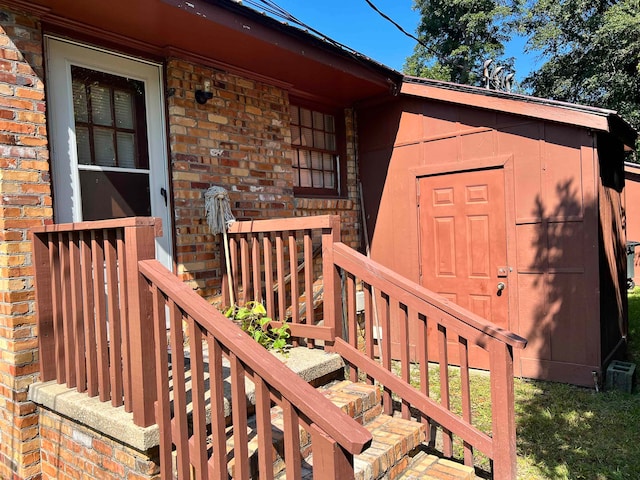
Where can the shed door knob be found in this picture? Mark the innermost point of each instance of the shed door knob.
(501, 286)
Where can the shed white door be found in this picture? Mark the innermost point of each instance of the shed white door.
(108, 137)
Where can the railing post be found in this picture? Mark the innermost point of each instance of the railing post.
(332, 297)
(140, 245)
(502, 401)
(44, 302)
(330, 460)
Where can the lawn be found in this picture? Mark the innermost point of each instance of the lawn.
(567, 432)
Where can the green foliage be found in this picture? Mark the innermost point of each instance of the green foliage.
(592, 52)
(457, 37)
(252, 318)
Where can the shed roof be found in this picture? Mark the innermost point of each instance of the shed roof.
(593, 118)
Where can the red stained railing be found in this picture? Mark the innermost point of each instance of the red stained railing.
(93, 312)
(442, 333)
(334, 436)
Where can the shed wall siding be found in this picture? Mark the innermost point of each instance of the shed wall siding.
(551, 216)
(25, 201)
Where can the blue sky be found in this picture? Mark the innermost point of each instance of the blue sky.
(355, 24)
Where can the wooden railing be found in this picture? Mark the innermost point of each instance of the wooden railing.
(92, 311)
(272, 262)
(443, 334)
(335, 437)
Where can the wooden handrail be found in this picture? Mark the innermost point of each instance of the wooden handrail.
(413, 294)
(352, 436)
(101, 224)
(284, 224)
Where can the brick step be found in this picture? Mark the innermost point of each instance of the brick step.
(430, 467)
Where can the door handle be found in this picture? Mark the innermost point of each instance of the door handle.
(163, 193)
(501, 286)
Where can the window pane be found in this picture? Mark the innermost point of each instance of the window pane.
(80, 112)
(295, 135)
(101, 105)
(328, 180)
(126, 150)
(330, 141)
(103, 147)
(316, 160)
(305, 118)
(307, 137)
(317, 179)
(327, 162)
(318, 140)
(123, 102)
(295, 115)
(318, 120)
(305, 178)
(305, 159)
(329, 123)
(84, 146)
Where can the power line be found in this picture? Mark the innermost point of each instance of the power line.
(399, 27)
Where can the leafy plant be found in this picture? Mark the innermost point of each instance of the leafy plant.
(252, 318)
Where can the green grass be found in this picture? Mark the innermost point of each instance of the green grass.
(563, 431)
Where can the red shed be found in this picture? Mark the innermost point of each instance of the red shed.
(510, 206)
(632, 204)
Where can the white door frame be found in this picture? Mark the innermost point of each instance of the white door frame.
(60, 55)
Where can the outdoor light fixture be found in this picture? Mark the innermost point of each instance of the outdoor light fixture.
(203, 95)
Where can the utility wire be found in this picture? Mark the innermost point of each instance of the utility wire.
(399, 27)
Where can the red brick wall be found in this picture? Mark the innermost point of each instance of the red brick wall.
(239, 140)
(25, 201)
(70, 450)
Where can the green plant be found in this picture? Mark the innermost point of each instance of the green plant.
(252, 318)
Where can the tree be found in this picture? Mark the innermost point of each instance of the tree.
(457, 36)
(592, 52)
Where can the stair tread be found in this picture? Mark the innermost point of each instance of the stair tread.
(430, 467)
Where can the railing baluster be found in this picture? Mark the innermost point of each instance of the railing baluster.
(115, 338)
(180, 436)
(404, 316)
(295, 289)
(197, 399)
(255, 266)
(368, 327)
(244, 264)
(447, 437)
(239, 416)
(308, 279)
(163, 409)
(422, 351)
(268, 275)
(352, 322)
(75, 284)
(465, 387)
(124, 320)
(97, 262)
(218, 460)
(282, 290)
(89, 312)
(291, 441)
(233, 248)
(263, 426)
(386, 348)
(67, 319)
(502, 405)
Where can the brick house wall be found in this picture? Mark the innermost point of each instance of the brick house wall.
(240, 140)
(25, 201)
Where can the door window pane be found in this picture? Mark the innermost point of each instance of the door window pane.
(107, 194)
(126, 150)
(101, 105)
(105, 153)
(124, 109)
(84, 145)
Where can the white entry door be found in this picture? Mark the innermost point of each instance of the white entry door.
(108, 142)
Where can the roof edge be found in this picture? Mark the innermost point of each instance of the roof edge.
(600, 119)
